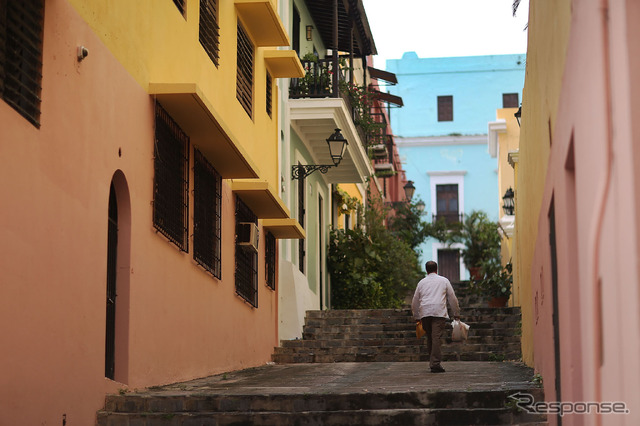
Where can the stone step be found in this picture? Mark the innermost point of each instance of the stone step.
(398, 349)
(382, 313)
(372, 356)
(364, 408)
(469, 319)
(405, 417)
(329, 344)
(408, 332)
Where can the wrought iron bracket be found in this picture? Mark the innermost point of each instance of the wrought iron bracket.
(304, 170)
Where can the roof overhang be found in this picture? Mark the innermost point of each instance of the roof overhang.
(314, 120)
(261, 198)
(262, 22)
(284, 228)
(283, 63)
(379, 74)
(193, 112)
(387, 97)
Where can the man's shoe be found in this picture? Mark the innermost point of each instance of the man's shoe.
(437, 369)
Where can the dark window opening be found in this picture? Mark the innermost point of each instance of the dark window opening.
(207, 194)
(244, 87)
(295, 32)
(21, 29)
(509, 100)
(171, 180)
(270, 260)
(181, 5)
(447, 203)
(246, 259)
(269, 89)
(301, 212)
(209, 33)
(445, 108)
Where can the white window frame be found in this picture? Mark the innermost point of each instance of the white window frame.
(447, 178)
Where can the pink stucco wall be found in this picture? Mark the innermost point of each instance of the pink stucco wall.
(181, 323)
(593, 182)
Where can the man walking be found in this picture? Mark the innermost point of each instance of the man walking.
(429, 305)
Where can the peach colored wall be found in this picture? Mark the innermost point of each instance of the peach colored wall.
(592, 181)
(182, 322)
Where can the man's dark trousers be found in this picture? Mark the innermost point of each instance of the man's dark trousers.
(434, 327)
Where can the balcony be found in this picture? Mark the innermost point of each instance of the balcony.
(448, 217)
(320, 102)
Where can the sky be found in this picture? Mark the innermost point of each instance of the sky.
(442, 28)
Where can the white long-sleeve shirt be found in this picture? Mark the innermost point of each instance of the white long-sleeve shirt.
(431, 296)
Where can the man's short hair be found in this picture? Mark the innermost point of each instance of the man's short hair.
(431, 266)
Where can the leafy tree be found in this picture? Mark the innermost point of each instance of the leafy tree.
(370, 266)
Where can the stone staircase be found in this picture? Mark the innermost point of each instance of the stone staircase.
(389, 335)
(369, 378)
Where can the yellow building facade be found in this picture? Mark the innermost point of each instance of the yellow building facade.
(545, 66)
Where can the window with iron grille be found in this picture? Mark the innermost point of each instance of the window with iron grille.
(181, 5)
(445, 108)
(447, 203)
(509, 100)
(270, 260)
(246, 259)
(21, 28)
(207, 190)
(209, 32)
(301, 212)
(171, 180)
(244, 85)
(269, 88)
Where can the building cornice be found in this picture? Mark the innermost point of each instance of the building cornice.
(441, 140)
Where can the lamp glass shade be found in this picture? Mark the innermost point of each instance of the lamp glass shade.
(420, 206)
(508, 205)
(409, 189)
(337, 145)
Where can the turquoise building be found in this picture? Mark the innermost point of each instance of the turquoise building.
(442, 135)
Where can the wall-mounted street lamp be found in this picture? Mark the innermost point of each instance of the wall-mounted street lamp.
(420, 206)
(309, 32)
(409, 189)
(508, 205)
(337, 145)
(518, 114)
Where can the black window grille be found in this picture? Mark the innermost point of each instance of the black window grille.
(181, 5)
(270, 260)
(246, 259)
(447, 203)
(445, 108)
(207, 194)
(171, 180)
(301, 212)
(269, 88)
(21, 28)
(209, 32)
(509, 100)
(244, 87)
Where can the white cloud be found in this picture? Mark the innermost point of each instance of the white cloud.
(441, 28)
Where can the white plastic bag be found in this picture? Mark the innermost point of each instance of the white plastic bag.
(460, 331)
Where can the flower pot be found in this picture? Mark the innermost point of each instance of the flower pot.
(476, 273)
(498, 302)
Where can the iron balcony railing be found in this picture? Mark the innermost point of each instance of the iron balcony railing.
(452, 217)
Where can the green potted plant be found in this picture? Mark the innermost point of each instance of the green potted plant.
(482, 242)
(496, 283)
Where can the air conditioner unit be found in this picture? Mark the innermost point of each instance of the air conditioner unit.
(247, 235)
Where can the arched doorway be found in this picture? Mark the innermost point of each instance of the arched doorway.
(112, 272)
(118, 278)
